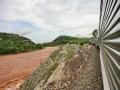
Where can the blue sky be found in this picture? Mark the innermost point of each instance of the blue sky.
(44, 20)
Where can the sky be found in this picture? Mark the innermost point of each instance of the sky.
(44, 20)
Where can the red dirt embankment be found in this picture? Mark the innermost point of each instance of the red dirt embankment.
(15, 68)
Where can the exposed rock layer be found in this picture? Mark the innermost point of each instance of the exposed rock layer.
(76, 69)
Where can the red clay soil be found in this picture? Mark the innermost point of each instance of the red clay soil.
(15, 68)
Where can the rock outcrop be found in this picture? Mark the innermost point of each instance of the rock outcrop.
(71, 67)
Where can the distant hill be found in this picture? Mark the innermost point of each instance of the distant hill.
(69, 39)
(12, 43)
(66, 39)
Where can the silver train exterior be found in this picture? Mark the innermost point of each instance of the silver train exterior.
(108, 39)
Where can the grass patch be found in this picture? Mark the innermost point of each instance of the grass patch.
(50, 70)
(54, 55)
(70, 54)
(39, 81)
(84, 46)
(60, 47)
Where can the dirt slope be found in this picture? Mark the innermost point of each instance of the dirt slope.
(79, 72)
(82, 73)
(15, 68)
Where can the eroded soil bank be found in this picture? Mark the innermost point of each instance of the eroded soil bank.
(81, 73)
(71, 67)
(15, 68)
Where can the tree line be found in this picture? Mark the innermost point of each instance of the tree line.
(12, 43)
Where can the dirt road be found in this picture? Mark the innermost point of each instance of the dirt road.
(15, 68)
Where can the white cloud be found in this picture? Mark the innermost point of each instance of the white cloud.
(19, 32)
(55, 16)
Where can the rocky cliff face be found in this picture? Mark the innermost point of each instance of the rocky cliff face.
(52, 69)
(71, 67)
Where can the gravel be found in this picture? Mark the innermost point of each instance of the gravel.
(82, 72)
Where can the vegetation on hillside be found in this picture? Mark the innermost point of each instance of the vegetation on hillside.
(67, 39)
(12, 43)
(49, 70)
(70, 40)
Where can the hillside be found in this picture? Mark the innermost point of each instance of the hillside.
(70, 40)
(13, 43)
(71, 67)
(67, 39)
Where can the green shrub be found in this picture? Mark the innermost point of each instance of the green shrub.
(81, 43)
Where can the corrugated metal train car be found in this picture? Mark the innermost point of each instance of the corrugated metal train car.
(109, 43)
